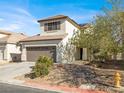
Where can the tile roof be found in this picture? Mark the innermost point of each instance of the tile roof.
(5, 32)
(44, 37)
(84, 26)
(11, 37)
(53, 17)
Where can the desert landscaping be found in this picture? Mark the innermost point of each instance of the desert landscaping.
(75, 75)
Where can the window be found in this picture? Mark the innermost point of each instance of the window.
(52, 26)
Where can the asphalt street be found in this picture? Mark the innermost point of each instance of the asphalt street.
(7, 88)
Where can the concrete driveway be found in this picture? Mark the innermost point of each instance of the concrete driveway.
(10, 71)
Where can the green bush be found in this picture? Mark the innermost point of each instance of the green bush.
(42, 66)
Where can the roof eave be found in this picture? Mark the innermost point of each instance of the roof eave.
(40, 40)
(42, 20)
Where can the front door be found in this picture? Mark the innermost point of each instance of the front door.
(81, 53)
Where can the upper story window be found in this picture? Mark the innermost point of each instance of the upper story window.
(52, 26)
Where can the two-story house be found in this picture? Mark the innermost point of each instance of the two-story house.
(9, 48)
(55, 30)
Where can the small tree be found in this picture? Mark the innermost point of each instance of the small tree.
(105, 36)
(103, 39)
(109, 29)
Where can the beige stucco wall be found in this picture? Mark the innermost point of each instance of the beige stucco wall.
(9, 49)
(53, 32)
(69, 29)
(23, 54)
(3, 55)
(12, 48)
(85, 55)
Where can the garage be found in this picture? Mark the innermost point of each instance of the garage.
(33, 53)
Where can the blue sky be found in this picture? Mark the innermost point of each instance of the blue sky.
(22, 15)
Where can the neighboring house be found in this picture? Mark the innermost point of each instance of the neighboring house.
(9, 48)
(54, 30)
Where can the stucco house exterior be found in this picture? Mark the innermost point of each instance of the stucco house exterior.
(9, 48)
(54, 30)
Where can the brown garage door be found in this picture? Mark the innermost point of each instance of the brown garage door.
(34, 52)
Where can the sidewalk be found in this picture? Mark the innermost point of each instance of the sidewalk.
(62, 89)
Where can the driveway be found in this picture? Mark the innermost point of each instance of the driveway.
(10, 71)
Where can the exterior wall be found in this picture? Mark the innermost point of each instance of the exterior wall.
(8, 49)
(12, 48)
(1, 53)
(24, 53)
(85, 55)
(5, 53)
(70, 29)
(54, 32)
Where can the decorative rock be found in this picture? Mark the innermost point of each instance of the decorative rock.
(87, 86)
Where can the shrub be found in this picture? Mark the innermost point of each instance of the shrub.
(67, 52)
(42, 66)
